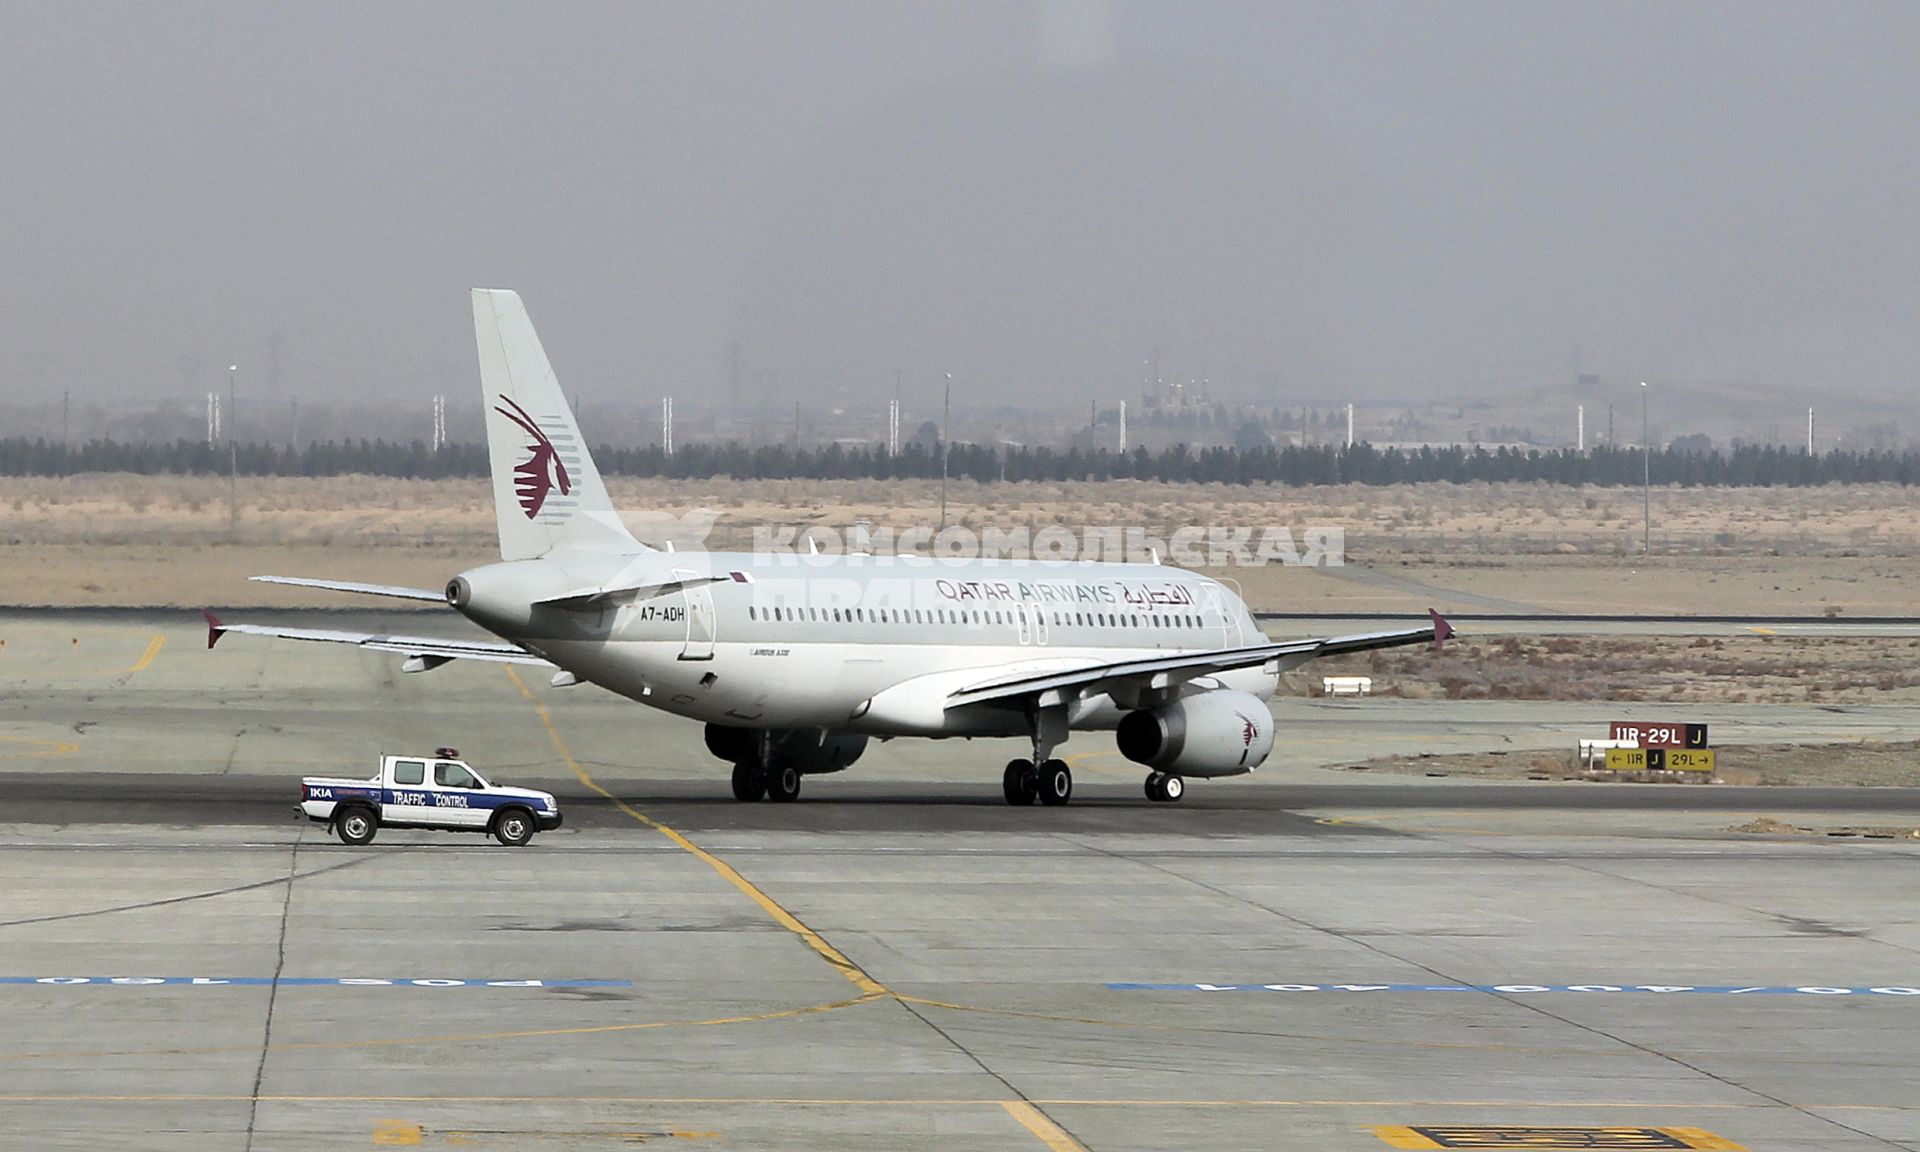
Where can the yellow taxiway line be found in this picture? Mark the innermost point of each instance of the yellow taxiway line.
(847, 968)
(1036, 1122)
(146, 658)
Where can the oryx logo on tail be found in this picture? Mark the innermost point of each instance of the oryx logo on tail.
(542, 471)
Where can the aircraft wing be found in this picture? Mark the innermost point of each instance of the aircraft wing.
(422, 652)
(348, 586)
(1159, 673)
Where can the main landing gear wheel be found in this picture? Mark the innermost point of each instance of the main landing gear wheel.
(1019, 784)
(1164, 787)
(1055, 781)
(783, 783)
(749, 781)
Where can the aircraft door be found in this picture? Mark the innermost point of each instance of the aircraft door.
(1039, 614)
(1215, 606)
(698, 597)
(1241, 630)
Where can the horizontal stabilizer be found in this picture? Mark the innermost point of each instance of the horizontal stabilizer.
(392, 590)
(429, 651)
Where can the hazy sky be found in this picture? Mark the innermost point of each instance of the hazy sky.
(1293, 200)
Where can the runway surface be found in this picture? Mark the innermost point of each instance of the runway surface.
(851, 806)
(1307, 959)
(125, 692)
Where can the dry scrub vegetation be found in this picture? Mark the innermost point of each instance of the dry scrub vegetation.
(1864, 763)
(192, 511)
(376, 511)
(1656, 669)
(121, 539)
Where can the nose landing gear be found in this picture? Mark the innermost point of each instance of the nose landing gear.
(1164, 787)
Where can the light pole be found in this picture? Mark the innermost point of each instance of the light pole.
(1646, 474)
(946, 421)
(233, 458)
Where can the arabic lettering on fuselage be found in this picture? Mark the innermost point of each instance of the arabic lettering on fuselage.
(1143, 595)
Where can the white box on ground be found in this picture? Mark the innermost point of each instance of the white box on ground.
(1593, 753)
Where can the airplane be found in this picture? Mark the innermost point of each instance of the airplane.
(795, 661)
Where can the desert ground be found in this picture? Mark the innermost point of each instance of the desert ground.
(102, 540)
(1865, 763)
(1755, 668)
(1840, 552)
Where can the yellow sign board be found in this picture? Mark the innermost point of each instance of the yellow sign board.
(1626, 759)
(1660, 760)
(1690, 760)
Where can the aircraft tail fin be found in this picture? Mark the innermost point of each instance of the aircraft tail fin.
(547, 495)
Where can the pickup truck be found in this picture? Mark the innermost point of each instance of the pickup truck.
(439, 791)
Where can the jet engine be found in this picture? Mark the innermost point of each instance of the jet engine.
(816, 750)
(811, 750)
(1217, 733)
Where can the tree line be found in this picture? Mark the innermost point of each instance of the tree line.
(1293, 465)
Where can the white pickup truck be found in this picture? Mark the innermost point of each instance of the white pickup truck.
(438, 791)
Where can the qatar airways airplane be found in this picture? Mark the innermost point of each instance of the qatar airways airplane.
(793, 662)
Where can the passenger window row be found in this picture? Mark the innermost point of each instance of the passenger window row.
(972, 616)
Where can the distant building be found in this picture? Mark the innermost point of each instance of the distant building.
(1174, 396)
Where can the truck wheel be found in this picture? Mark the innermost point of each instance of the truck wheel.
(513, 827)
(356, 826)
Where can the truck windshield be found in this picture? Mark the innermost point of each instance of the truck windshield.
(451, 774)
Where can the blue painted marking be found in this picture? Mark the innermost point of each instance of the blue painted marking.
(445, 798)
(305, 982)
(1528, 989)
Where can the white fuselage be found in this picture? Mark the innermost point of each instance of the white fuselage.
(857, 643)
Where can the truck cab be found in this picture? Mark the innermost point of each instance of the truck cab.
(440, 791)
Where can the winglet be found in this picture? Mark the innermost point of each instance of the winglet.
(215, 629)
(1442, 631)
